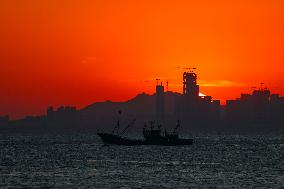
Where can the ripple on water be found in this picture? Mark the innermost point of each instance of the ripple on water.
(81, 161)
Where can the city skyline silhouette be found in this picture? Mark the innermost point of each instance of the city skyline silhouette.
(261, 108)
(79, 52)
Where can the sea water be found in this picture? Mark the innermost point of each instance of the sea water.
(81, 161)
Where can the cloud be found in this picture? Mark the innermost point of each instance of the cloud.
(220, 83)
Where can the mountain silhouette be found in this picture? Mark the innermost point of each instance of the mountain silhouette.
(141, 107)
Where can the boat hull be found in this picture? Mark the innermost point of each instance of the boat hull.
(162, 141)
(118, 140)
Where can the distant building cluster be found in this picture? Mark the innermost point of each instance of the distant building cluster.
(189, 106)
(260, 106)
(63, 114)
(64, 117)
(192, 107)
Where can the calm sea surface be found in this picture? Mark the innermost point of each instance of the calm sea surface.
(81, 161)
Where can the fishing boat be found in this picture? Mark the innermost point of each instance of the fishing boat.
(151, 136)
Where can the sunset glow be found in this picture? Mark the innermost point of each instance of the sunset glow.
(71, 52)
(200, 94)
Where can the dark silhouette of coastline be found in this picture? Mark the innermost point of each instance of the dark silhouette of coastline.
(260, 111)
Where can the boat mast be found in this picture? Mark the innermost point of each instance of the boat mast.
(177, 127)
(116, 127)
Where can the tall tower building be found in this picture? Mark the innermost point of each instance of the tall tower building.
(190, 87)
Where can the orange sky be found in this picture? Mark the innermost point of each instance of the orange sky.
(75, 52)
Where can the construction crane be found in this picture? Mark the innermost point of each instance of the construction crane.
(158, 81)
(191, 69)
